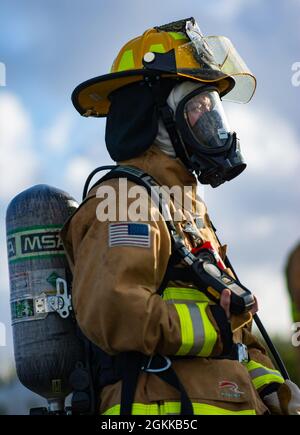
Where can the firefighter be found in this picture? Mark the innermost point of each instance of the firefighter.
(166, 347)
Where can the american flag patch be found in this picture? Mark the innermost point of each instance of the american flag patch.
(129, 234)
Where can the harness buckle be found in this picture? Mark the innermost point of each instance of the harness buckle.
(147, 367)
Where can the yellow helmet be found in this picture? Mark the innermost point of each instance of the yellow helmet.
(175, 50)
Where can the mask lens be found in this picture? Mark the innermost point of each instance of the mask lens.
(206, 120)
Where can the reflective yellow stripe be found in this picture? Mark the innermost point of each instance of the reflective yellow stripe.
(202, 409)
(261, 381)
(137, 409)
(178, 35)
(210, 333)
(157, 48)
(262, 375)
(198, 335)
(127, 61)
(173, 408)
(186, 327)
(184, 294)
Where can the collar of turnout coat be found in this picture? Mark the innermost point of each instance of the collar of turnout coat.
(167, 171)
(164, 169)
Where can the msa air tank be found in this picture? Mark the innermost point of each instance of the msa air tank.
(46, 345)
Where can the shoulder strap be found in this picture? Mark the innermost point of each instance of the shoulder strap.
(143, 179)
(89, 178)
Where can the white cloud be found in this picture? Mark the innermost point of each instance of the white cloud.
(228, 9)
(56, 137)
(269, 142)
(2, 74)
(269, 287)
(258, 228)
(76, 173)
(18, 163)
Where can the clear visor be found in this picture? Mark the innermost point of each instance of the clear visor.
(206, 119)
(213, 58)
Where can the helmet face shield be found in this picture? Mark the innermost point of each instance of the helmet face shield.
(210, 59)
(205, 119)
(213, 58)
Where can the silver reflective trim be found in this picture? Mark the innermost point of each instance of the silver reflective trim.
(184, 301)
(262, 372)
(198, 328)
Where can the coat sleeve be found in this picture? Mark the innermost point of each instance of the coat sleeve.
(265, 378)
(114, 290)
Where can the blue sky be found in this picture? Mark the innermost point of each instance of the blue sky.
(49, 47)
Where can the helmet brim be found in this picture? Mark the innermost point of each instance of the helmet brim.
(91, 98)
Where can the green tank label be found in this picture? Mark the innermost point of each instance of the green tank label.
(34, 242)
(52, 279)
(22, 309)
